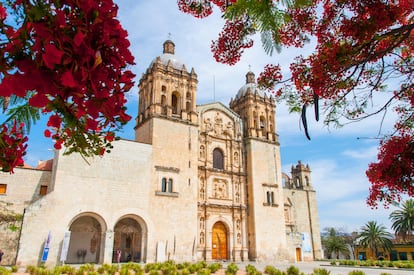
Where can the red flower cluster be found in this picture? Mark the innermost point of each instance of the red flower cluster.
(12, 147)
(74, 56)
(270, 77)
(232, 41)
(197, 8)
(362, 48)
(394, 173)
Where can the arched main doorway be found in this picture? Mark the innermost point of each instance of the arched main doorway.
(128, 240)
(219, 242)
(85, 243)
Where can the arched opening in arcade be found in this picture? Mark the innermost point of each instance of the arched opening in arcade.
(129, 240)
(219, 242)
(86, 239)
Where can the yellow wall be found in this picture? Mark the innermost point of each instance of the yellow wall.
(398, 252)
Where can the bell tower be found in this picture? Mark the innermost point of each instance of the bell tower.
(266, 222)
(257, 110)
(166, 90)
(168, 122)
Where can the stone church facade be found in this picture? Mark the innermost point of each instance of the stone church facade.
(199, 182)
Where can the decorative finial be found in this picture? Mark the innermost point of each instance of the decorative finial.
(250, 68)
(169, 35)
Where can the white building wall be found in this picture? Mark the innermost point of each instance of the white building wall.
(110, 187)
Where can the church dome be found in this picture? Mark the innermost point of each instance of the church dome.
(169, 56)
(250, 86)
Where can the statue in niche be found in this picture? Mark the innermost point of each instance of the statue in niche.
(202, 152)
(202, 238)
(208, 126)
(237, 129)
(201, 223)
(237, 191)
(218, 125)
(238, 225)
(230, 128)
(236, 158)
(238, 238)
(202, 192)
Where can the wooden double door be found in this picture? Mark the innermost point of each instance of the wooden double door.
(219, 242)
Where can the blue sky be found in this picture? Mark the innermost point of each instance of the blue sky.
(337, 158)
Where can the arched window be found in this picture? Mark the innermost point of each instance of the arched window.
(297, 182)
(262, 122)
(163, 88)
(163, 104)
(164, 185)
(188, 106)
(307, 181)
(218, 159)
(170, 185)
(270, 197)
(188, 95)
(174, 103)
(284, 182)
(254, 120)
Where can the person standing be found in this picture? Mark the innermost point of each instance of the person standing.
(1, 255)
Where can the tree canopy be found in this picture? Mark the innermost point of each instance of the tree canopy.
(403, 219)
(68, 60)
(362, 66)
(375, 236)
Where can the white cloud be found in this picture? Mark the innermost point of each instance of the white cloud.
(368, 153)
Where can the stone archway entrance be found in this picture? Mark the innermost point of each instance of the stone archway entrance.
(128, 240)
(219, 242)
(85, 241)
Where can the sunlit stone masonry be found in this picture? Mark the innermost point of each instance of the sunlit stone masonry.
(199, 182)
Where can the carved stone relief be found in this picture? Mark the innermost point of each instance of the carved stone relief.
(218, 125)
(220, 189)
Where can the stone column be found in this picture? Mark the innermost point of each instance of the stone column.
(108, 247)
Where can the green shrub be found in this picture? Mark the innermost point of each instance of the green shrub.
(41, 270)
(356, 272)
(251, 270)
(152, 266)
(14, 269)
(194, 268)
(185, 271)
(154, 272)
(321, 271)
(292, 270)
(86, 269)
(64, 269)
(204, 271)
(214, 267)
(183, 265)
(31, 269)
(169, 268)
(4, 271)
(231, 269)
(385, 273)
(125, 271)
(271, 270)
(109, 269)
